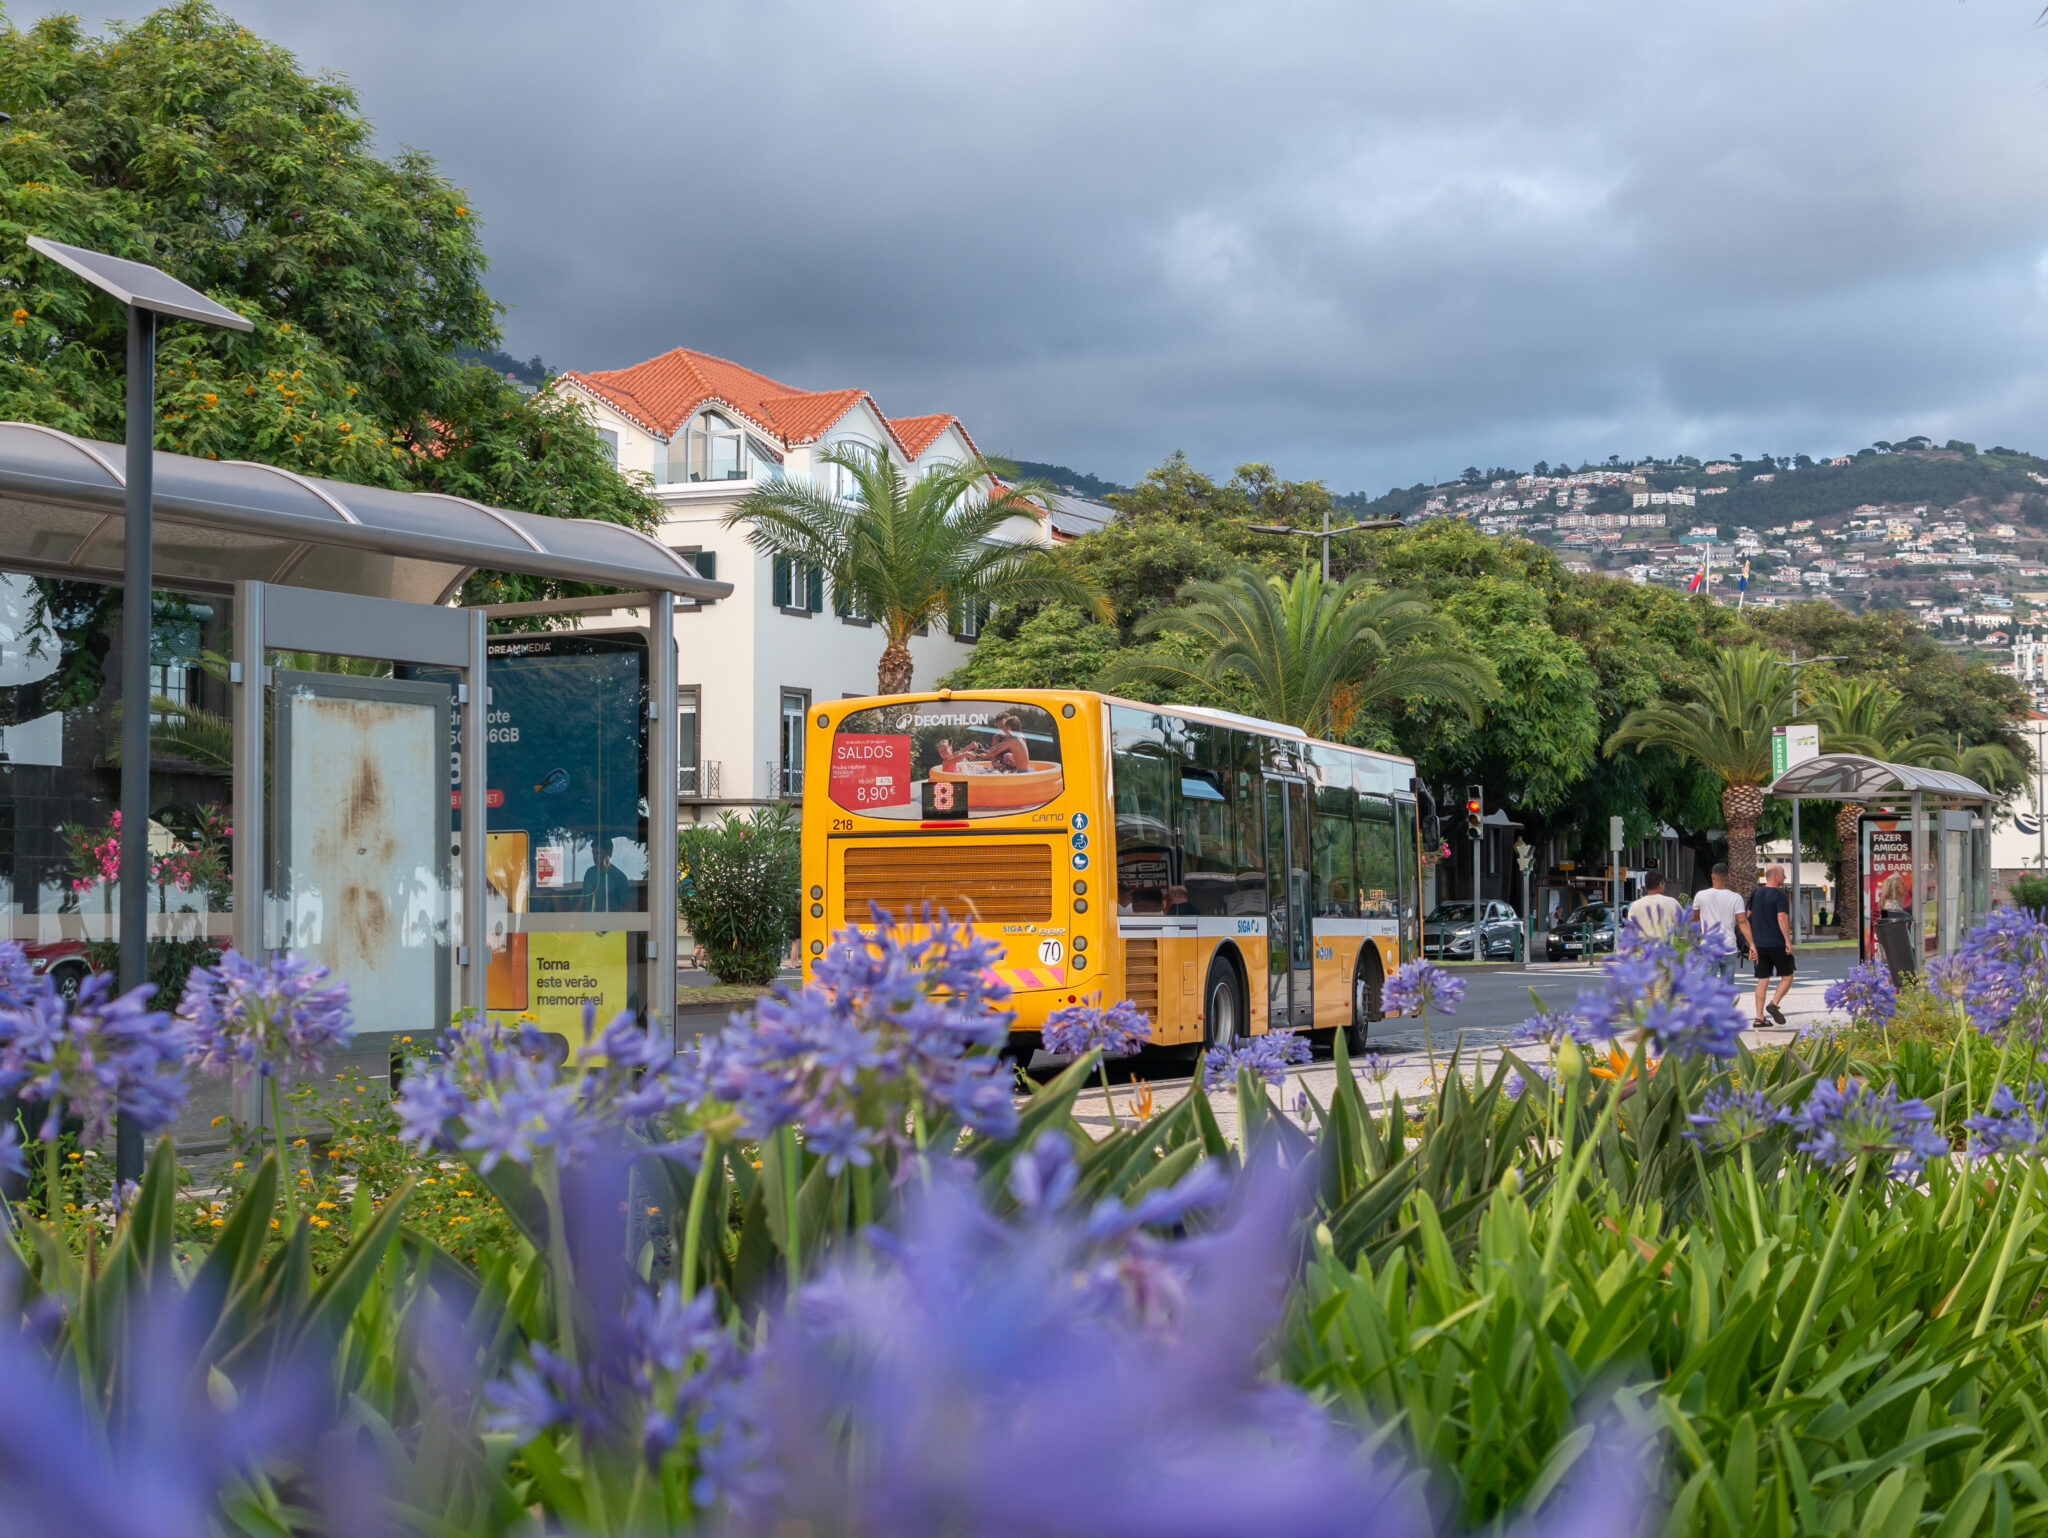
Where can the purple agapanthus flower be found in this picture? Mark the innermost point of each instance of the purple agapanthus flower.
(1422, 985)
(1117, 1031)
(663, 1371)
(1729, 1117)
(18, 981)
(1866, 994)
(2011, 1124)
(1848, 1120)
(890, 1020)
(13, 1160)
(1663, 989)
(264, 1018)
(1266, 1057)
(513, 1101)
(975, 1356)
(1999, 974)
(1545, 1081)
(100, 1055)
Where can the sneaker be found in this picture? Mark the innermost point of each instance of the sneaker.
(1775, 1013)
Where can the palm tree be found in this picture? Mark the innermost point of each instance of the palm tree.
(1726, 731)
(1867, 716)
(908, 554)
(1310, 652)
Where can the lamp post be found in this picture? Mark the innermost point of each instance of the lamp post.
(1327, 533)
(148, 293)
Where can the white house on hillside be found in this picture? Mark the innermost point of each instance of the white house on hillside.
(706, 432)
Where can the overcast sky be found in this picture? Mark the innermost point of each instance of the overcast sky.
(1367, 242)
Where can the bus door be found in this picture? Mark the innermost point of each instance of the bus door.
(1289, 948)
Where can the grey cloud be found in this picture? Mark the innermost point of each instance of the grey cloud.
(1368, 242)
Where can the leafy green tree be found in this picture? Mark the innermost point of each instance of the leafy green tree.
(1310, 653)
(1958, 698)
(186, 141)
(910, 553)
(1868, 716)
(1058, 647)
(1744, 693)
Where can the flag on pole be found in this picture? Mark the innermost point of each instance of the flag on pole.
(1698, 579)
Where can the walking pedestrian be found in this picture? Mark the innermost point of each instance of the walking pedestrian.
(1767, 920)
(1720, 910)
(1654, 913)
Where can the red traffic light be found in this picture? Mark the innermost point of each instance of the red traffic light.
(1472, 808)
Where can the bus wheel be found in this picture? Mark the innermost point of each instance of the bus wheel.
(1366, 982)
(1223, 1015)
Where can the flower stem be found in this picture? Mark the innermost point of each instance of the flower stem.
(53, 1180)
(1568, 1191)
(1756, 1217)
(1428, 1051)
(1818, 1290)
(284, 1169)
(792, 1227)
(561, 1276)
(1102, 1065)
(2012, 1235)
(700, 1191)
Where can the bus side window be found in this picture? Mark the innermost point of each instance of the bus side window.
(1334, 889)
(1146, 881)
(1379, 872)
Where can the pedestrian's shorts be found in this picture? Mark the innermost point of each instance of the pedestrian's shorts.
(1773, 959)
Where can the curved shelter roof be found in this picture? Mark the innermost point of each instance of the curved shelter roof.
(222, 521)
(1853, 777)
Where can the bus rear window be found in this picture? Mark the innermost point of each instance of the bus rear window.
(946, 760)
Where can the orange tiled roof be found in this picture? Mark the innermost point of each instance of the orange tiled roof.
(665, 392)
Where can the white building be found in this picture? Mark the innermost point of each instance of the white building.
(706, 432)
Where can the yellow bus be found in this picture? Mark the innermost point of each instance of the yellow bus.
(1229, 875)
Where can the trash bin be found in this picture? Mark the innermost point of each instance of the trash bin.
(1894, 929)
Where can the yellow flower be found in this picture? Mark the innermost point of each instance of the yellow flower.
(216, 1121)
(324, 1206)
(21, 317)
(238, 1164)
(211, 398)
(284, 325)
(75, 1155)
(218, 1221)
(428, 1181)
(298, 1142)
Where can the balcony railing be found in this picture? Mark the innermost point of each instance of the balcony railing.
(699, 781)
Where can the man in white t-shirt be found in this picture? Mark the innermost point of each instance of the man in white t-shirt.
(1721, 910)
(1654, 913)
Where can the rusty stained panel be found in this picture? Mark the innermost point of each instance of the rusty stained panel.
(365, 893)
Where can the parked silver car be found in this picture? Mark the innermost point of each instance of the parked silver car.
(1447, 933)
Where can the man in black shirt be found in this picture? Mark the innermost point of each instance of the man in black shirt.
(1767, 921)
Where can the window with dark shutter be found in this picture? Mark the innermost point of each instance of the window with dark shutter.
(780, 566)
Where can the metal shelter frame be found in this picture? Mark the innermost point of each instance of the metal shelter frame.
(335, 567)
(1855, 777)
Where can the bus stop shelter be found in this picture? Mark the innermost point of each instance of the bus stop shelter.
(349, 775)
(1933, 825)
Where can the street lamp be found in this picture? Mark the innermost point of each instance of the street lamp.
(1327, 533)
(147, 292)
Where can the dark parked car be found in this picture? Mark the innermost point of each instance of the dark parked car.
(1447, 933)
(1586, 931)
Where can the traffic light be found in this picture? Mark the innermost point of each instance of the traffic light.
(1475, 810)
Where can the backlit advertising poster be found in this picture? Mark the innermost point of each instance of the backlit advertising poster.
(946, 760)
(1887, 851)
(566, 833)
